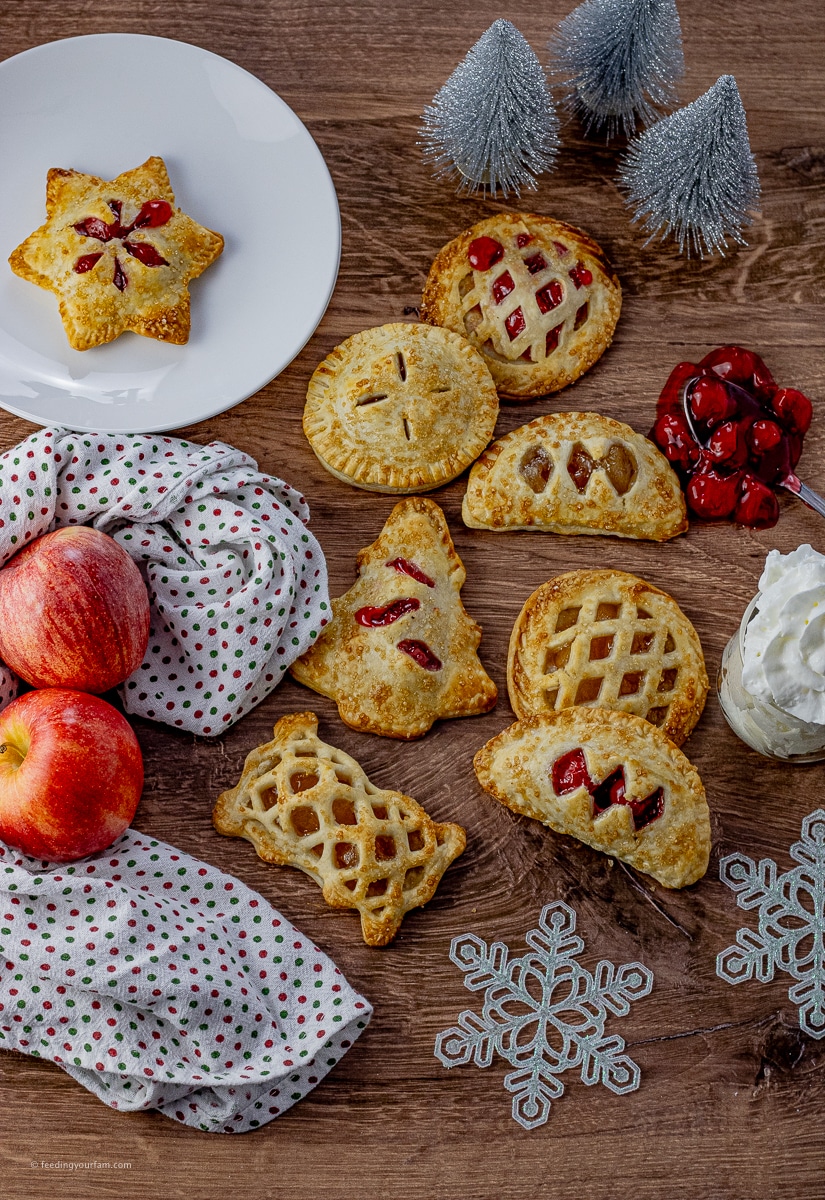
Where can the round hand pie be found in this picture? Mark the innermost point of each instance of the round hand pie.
(536, 297)
(400, 408)
(610, 639)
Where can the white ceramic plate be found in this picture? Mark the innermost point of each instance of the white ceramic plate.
(240, 162)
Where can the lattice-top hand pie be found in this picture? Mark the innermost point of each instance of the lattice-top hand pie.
(118, 255)
(575, 472)
(607, 639)
(610, 779)
(400, 408)
(400, 650)
(536, 297)
(302, 803)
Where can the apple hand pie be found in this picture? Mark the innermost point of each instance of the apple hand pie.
(574, 472)
(400, 650)
(610, 779)
(305, 804)
(400, 408)
(610, 639)
(538, 298)
(118, 254)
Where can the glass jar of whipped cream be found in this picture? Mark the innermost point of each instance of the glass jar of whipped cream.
(772, 680)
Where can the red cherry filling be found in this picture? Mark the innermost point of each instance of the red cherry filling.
(570, 772)
(580, 275)
(535, 263)
(552, 340)
(758, 506)
(561, 248)
(794, 410)
(86, 262)
(515, 324)
(523, 239)
(748, 434)
(550, 296)
(409, 568)
(421, 653)
(152, 214)
(502, 287)
(484, 252)
(387, 614)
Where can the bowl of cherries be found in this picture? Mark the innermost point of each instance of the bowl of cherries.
(733, 437)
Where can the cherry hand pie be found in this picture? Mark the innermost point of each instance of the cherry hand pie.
(575, 472)
(400, 650)
(400, 408)
(302, 803)
(610, 779)
(609, 639)
(118, 255)
(536, 297)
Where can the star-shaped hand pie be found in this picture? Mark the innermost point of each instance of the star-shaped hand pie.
(118, 255)
(400, 650)
(303, 803)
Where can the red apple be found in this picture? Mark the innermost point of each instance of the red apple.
(74, 611)
(71, 774)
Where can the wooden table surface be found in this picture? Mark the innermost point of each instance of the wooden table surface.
(732, 1097)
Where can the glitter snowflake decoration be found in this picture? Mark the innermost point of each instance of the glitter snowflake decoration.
(544, 1014)
(791, 935)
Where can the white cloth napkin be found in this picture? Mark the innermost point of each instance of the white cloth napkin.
(237, 584)
(159, 982)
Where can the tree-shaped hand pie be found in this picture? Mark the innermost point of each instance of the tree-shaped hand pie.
(118, 255)
(610, 779)
(400, 650)
(305, 804)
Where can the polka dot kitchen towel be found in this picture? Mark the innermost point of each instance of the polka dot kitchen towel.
(159, 982)
(237, 583)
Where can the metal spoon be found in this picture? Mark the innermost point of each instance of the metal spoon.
(791, 482)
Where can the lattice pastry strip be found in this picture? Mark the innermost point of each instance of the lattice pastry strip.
(535, 296)
(607, 639)
(304, 803)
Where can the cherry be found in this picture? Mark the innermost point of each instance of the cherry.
(406, 567)
(535, 263)
(152, 214)
(515, 324)
(712, 495)
(387, 614)
(421, 653)
(523, 239)
(711, 402)
(672, 436)
(484, 253)
(742, 367)
(580, 275)
(673, 391)
(726, 444)
(758, 507)
(764, 436)
(794, 410)
(146, 254)
(610, 791)
(502, 287)
(550, 296)
(86, 262)
(570, 772)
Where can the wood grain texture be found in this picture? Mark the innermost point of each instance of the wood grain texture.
(732, 1095)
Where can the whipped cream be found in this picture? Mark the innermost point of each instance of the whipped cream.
(775, 700)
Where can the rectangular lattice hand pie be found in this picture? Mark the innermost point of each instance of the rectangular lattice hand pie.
(306, 804)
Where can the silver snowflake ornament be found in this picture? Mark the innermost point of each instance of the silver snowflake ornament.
(544, 1013)
(791, 934)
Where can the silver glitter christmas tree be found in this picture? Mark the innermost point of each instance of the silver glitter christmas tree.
(493, 124)
(620, 61)
(692, 174)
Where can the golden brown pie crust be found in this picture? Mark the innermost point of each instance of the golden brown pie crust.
(577, 287)
(400, 408)
(517, 769)
(574, 473)
(303, 803)
(107, 285)
(612, 640)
